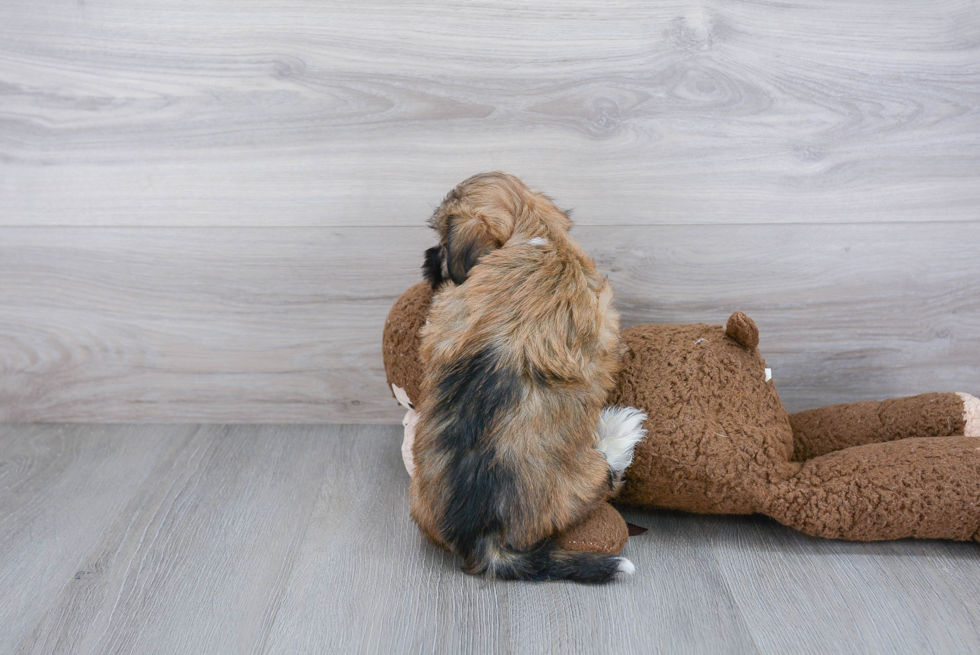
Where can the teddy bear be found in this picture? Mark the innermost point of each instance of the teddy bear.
(720, 442)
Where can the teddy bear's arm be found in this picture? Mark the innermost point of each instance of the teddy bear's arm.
(827, 429)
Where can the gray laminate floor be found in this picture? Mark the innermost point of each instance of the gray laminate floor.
(296, 539)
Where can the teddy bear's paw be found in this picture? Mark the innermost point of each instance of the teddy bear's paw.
(617, 433)
(971, 415)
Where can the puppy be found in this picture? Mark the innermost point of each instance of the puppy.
(520, 352)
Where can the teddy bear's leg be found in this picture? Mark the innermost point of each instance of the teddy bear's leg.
(602, 531)
(920, 487)
(827, 429)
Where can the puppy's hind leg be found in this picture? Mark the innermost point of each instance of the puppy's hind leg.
(617, 433)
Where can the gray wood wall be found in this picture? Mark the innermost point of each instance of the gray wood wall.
(208, 206)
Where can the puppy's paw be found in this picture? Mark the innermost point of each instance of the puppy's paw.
(971, 415)
(618, 432)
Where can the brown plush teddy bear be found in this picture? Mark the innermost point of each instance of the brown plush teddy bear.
(720, 442)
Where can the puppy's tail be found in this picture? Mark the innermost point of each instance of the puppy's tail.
(545, 561)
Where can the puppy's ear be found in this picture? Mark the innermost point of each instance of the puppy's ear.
(466, 243)
(432, 267)
(478, 216)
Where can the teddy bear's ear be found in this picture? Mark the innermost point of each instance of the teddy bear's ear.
(742, 329)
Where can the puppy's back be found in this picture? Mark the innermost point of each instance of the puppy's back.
(520, 359)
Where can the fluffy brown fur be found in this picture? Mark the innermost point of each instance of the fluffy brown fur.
(520, 352)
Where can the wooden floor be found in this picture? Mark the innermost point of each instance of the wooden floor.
(272, 539)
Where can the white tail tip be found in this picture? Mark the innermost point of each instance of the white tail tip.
(626, 566)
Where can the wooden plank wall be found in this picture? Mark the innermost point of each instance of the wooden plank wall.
(208, 206)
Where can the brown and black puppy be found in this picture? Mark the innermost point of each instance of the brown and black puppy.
(520, 352)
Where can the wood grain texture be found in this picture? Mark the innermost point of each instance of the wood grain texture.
(213, 532)
(846, 594)
(428, 606)
(59, 494)
(272, 539)
(305, 113)
(207, 208)
(284, 325)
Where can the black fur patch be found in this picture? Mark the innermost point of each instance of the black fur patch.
(432, 267)
(473, 393)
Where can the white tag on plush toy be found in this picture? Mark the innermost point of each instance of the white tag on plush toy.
(402, 397)
(411, 416)
(768, 374)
